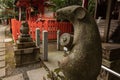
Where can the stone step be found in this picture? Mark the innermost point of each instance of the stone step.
(2, 72)
(2, 57)
(2, 64)
(37, 74)
(15, 77)
(2, 53)
(24, 45)
(1, 47)
(3, 50)
(25, 50)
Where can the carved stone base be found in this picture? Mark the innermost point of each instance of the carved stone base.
(26, 53)
(25, 45)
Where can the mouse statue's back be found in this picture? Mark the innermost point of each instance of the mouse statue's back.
(85, 58)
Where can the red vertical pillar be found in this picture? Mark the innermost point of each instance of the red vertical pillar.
(85, 3)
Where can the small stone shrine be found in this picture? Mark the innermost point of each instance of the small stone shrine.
(25, 51)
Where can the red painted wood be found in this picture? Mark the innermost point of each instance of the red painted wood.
(50, 25)
(39, 21)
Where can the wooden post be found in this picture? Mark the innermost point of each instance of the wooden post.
(45, 45)
(108, 21)
(58, 40)
(37, 34)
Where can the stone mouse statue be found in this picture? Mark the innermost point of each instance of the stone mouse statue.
(85, 58)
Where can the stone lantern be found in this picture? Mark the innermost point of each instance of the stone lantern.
(25, 51)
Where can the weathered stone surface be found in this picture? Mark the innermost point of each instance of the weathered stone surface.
(2, 50)
(37, 74)
(2, 72)
(16, 77)
(26, 50)
(111, 51)
(45, 45)
(26, 56)
(84, 61)
(66, 40)
(2, 64)
(2, 53)
(25, 45)
(114, 65)
(2, 57)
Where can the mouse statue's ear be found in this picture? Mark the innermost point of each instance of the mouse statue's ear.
(80, 13)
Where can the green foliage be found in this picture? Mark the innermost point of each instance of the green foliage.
(91, 7)
(57, 71)
(58, 3)
(7, 9)
(55, 75)
(7, 3)
(73, 2)
(52, 75)
(64, 3)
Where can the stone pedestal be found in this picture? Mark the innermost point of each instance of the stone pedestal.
(111, 59)
(26, 53)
